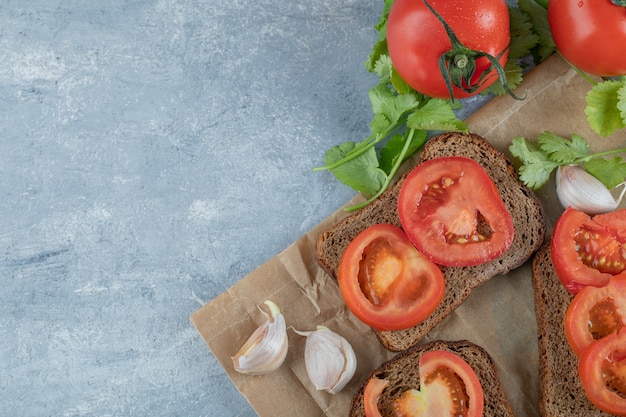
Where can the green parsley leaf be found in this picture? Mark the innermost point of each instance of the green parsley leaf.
(513, 73)
(380, 46)
(400, 85)
(390, 153)
(536, 166)
(523, 38)
(379, 49)
(563, 151)
(550, 151)
(392, 106)
(361, 173)
(538, 16)
(436, 114)
(611, 172)
(383, 69)
(603, 113)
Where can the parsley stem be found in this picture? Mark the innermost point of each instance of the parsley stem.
(359, 149)
(580, 72)
(391, 174)
(600, 154)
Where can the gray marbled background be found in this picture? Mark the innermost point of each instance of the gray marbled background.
(152, 153)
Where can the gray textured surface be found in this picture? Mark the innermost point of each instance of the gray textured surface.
(152, 154)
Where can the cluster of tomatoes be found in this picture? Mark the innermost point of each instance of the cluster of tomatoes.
(390, 277)
(590, 34)
(589, 257)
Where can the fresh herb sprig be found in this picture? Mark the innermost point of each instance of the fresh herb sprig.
(606, 105)
(541, 157)
(403, 118)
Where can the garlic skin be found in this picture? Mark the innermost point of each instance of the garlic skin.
(266, 348)
(579, 189)
(329, 359)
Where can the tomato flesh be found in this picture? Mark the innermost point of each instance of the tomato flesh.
(448, 386)
(588, 250)
(596, 312)
(378, 268)
(452, 212)
(590, 34)
(602, 370)
(386, 282)
(416, 39)
(371, 395)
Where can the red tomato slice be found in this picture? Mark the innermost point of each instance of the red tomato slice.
(371, 395)
(386, 282)
(586, 250)
(448, 387)
(452, 212)
(602, 370)
(596, 312)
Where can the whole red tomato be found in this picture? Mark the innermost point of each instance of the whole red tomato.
(590, 34)
(417, 39)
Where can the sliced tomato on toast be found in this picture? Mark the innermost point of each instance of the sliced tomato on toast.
(602, 370)
(386, 282)
(371, 395)
(448, 386)
(596, 312)
(452, 211)
(588, 250)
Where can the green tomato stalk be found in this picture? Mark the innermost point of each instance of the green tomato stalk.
(458, 65)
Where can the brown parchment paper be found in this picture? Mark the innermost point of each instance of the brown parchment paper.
(499, 315)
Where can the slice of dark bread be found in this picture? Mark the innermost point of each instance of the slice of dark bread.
(402, 372)
(560, 390)
(525, 208)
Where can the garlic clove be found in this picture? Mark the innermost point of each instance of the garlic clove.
(329, 359)
(579, 189)
(266, 348)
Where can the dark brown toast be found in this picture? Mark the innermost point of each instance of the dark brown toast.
(402, 372)
(560, 390)
(525, 208)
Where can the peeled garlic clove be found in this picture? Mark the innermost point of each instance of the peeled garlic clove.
(329, 359)
(577, 188)
(266, 349)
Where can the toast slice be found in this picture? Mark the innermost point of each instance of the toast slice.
(402, 372)
(560, 390)
(525, 208)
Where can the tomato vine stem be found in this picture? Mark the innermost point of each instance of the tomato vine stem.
(390, 176)
(458, 65)
(579, 71)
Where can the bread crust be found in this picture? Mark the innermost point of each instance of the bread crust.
(528, 219)
(402, 372)
(560, 390)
